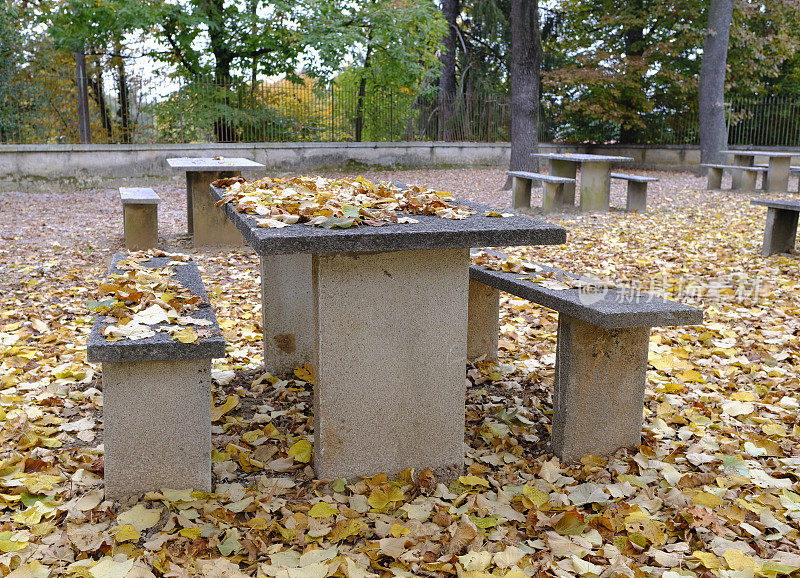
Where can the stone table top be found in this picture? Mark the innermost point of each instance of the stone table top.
(761, 153)
(213, 164)
(582, 158)
(774, 204)
(430, 232)
(162, 346)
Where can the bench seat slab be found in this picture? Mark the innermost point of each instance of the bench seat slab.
(207, 223)
(780, 231)
(287, 311)
(157, 426)
(599, 388)
(391, 332)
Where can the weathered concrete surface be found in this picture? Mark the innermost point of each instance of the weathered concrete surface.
(568, 170)
(209, 226)
(391, 334)
(157, 426)
(73, 167)
(483, 321)
(287, 310)
(520, 193)
(140, 225)
(780, 231)
(637, 197)
(778, 174)
(714, 178)
(599, 389)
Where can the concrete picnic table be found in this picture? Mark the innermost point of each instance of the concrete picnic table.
(595, 179)
(777, 170)
(381, 312)
(205, 223)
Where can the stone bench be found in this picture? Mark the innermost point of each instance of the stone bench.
(780, 230)
(157, 400)
(749, 175)
(601, 353)
(522, 181)
(637, 191)
(140, 217)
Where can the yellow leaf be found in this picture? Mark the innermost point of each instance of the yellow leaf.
(322, 510)
(472, 481)
(305, 372)
(186, 335)
(738, 560)
(378, 499)
(774, 429)
(690, 375)
(140, 517)
(230, 404)
(126, 533)
(301, 451)
(708, 560)
(397, 531)
(537, 497)
(192, 533)
(706, 499)
(10, 544)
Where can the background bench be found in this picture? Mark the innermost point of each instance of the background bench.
(601, 354)
(637, 191)
(780, 229)
(749, 175)
(553, 197)
(157, 401)
(140, 217)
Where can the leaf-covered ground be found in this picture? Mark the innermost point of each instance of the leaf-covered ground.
(713, 491)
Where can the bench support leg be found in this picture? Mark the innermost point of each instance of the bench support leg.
(599, 388)
(736, 175)
(637, 197)
(747, 180)
(567, 169)
(779, 232)
(390, 356)
(553, 198)
(157, 426)
(714, 178)
(595, 186)
(520, 193)
(287, 312)
(483, 321)
(140, 224)
(777, 176)
(209, 225)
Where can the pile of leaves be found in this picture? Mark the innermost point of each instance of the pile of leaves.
(335, 203)
(142, 300)
(713, 491)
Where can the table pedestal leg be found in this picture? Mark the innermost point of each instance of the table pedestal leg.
(779, 232)
(483, 327)
(208, 224)
(287, 312)
(736, 176)
(595, 186)
(778, 174)
(567, 169)
(391, 332)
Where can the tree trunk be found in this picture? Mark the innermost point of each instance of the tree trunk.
(447, 81)
(362, 92)
(711, 93)
(83, 97)
(124, 96)
(526, 63)
(99, 98)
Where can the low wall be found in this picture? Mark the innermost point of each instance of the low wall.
(70, 167)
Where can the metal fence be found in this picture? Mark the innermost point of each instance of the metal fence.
(43, 110)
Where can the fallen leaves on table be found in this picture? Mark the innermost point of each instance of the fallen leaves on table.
(337, 203)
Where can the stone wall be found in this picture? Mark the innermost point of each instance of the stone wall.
(69, 167)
